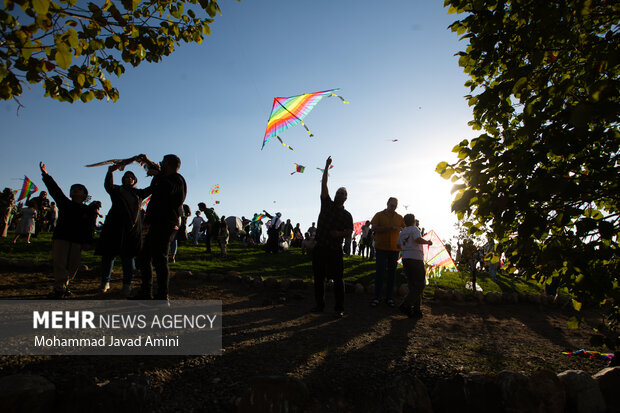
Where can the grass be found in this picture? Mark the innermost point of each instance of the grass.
(254, 261)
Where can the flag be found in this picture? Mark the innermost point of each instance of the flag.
(28, 188)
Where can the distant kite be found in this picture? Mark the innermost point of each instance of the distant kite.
(289, 111)
(392, 140)
(215, 190)
(299, 169)
(217, 202)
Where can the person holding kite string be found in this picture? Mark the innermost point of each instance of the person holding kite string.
(121, 234)
(410, 241)
(334, 225)
(386, 225)
(163, 218)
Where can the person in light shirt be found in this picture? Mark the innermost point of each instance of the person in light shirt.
(411, 243)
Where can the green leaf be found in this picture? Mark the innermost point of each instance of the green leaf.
(81, 79)
(63, 57)
(576, 305)
(441, 167)
(573, 323)
(40, 6)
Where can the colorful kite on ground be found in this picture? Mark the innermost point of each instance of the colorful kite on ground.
(288, 112)
(215, 190)
(590, 354)
(299, 168)
(28, 188)
(436, 257)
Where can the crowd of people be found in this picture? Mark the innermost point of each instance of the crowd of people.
(149, 238)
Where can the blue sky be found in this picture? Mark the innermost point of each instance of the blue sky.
(393, 61)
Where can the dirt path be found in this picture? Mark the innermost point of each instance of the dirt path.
(346, 363)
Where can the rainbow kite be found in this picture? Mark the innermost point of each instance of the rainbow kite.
(590, 354)
(288, 112)
(28, 188)
(215, 190)
(145, 202)
(299, 168)
(258, 217)
(436, 257)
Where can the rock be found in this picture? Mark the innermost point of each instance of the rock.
(549, 391)
(218, 277)
(272, 283)
(130, 394)
(285, 284)
(483, 394)
(349, 288)
(458, 296)
(493, 298)
(442, 294)
(298, 285)
(449, 396)
(403, 290)
(479, 296)
(83, 267)
(370, 289)
(583, 394)
(274, 394)
(183, 273)
(510, 298)
(609, 382)
(26, 393)
(407, 394)
(234, 274)
(257, 282)
(516, 392)
(359, 289)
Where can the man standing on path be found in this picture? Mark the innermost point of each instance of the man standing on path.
(334, 224)
(163, 217)
(386, 226)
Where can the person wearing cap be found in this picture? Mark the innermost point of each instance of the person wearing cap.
(121, 234)
(334, 225)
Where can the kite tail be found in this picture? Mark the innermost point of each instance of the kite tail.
(284, 144)
(307, 130)
(339, 97)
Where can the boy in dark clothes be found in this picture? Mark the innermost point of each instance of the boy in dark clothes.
(74, 231)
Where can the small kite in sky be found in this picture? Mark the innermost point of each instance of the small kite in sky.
(217, 202)
(215, 190)
(289, 111)
(392, 140)
(299, 169)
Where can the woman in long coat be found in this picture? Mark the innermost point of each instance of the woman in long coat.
(121, 234)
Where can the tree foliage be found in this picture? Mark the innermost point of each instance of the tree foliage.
(543, 175)
(70, 46)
